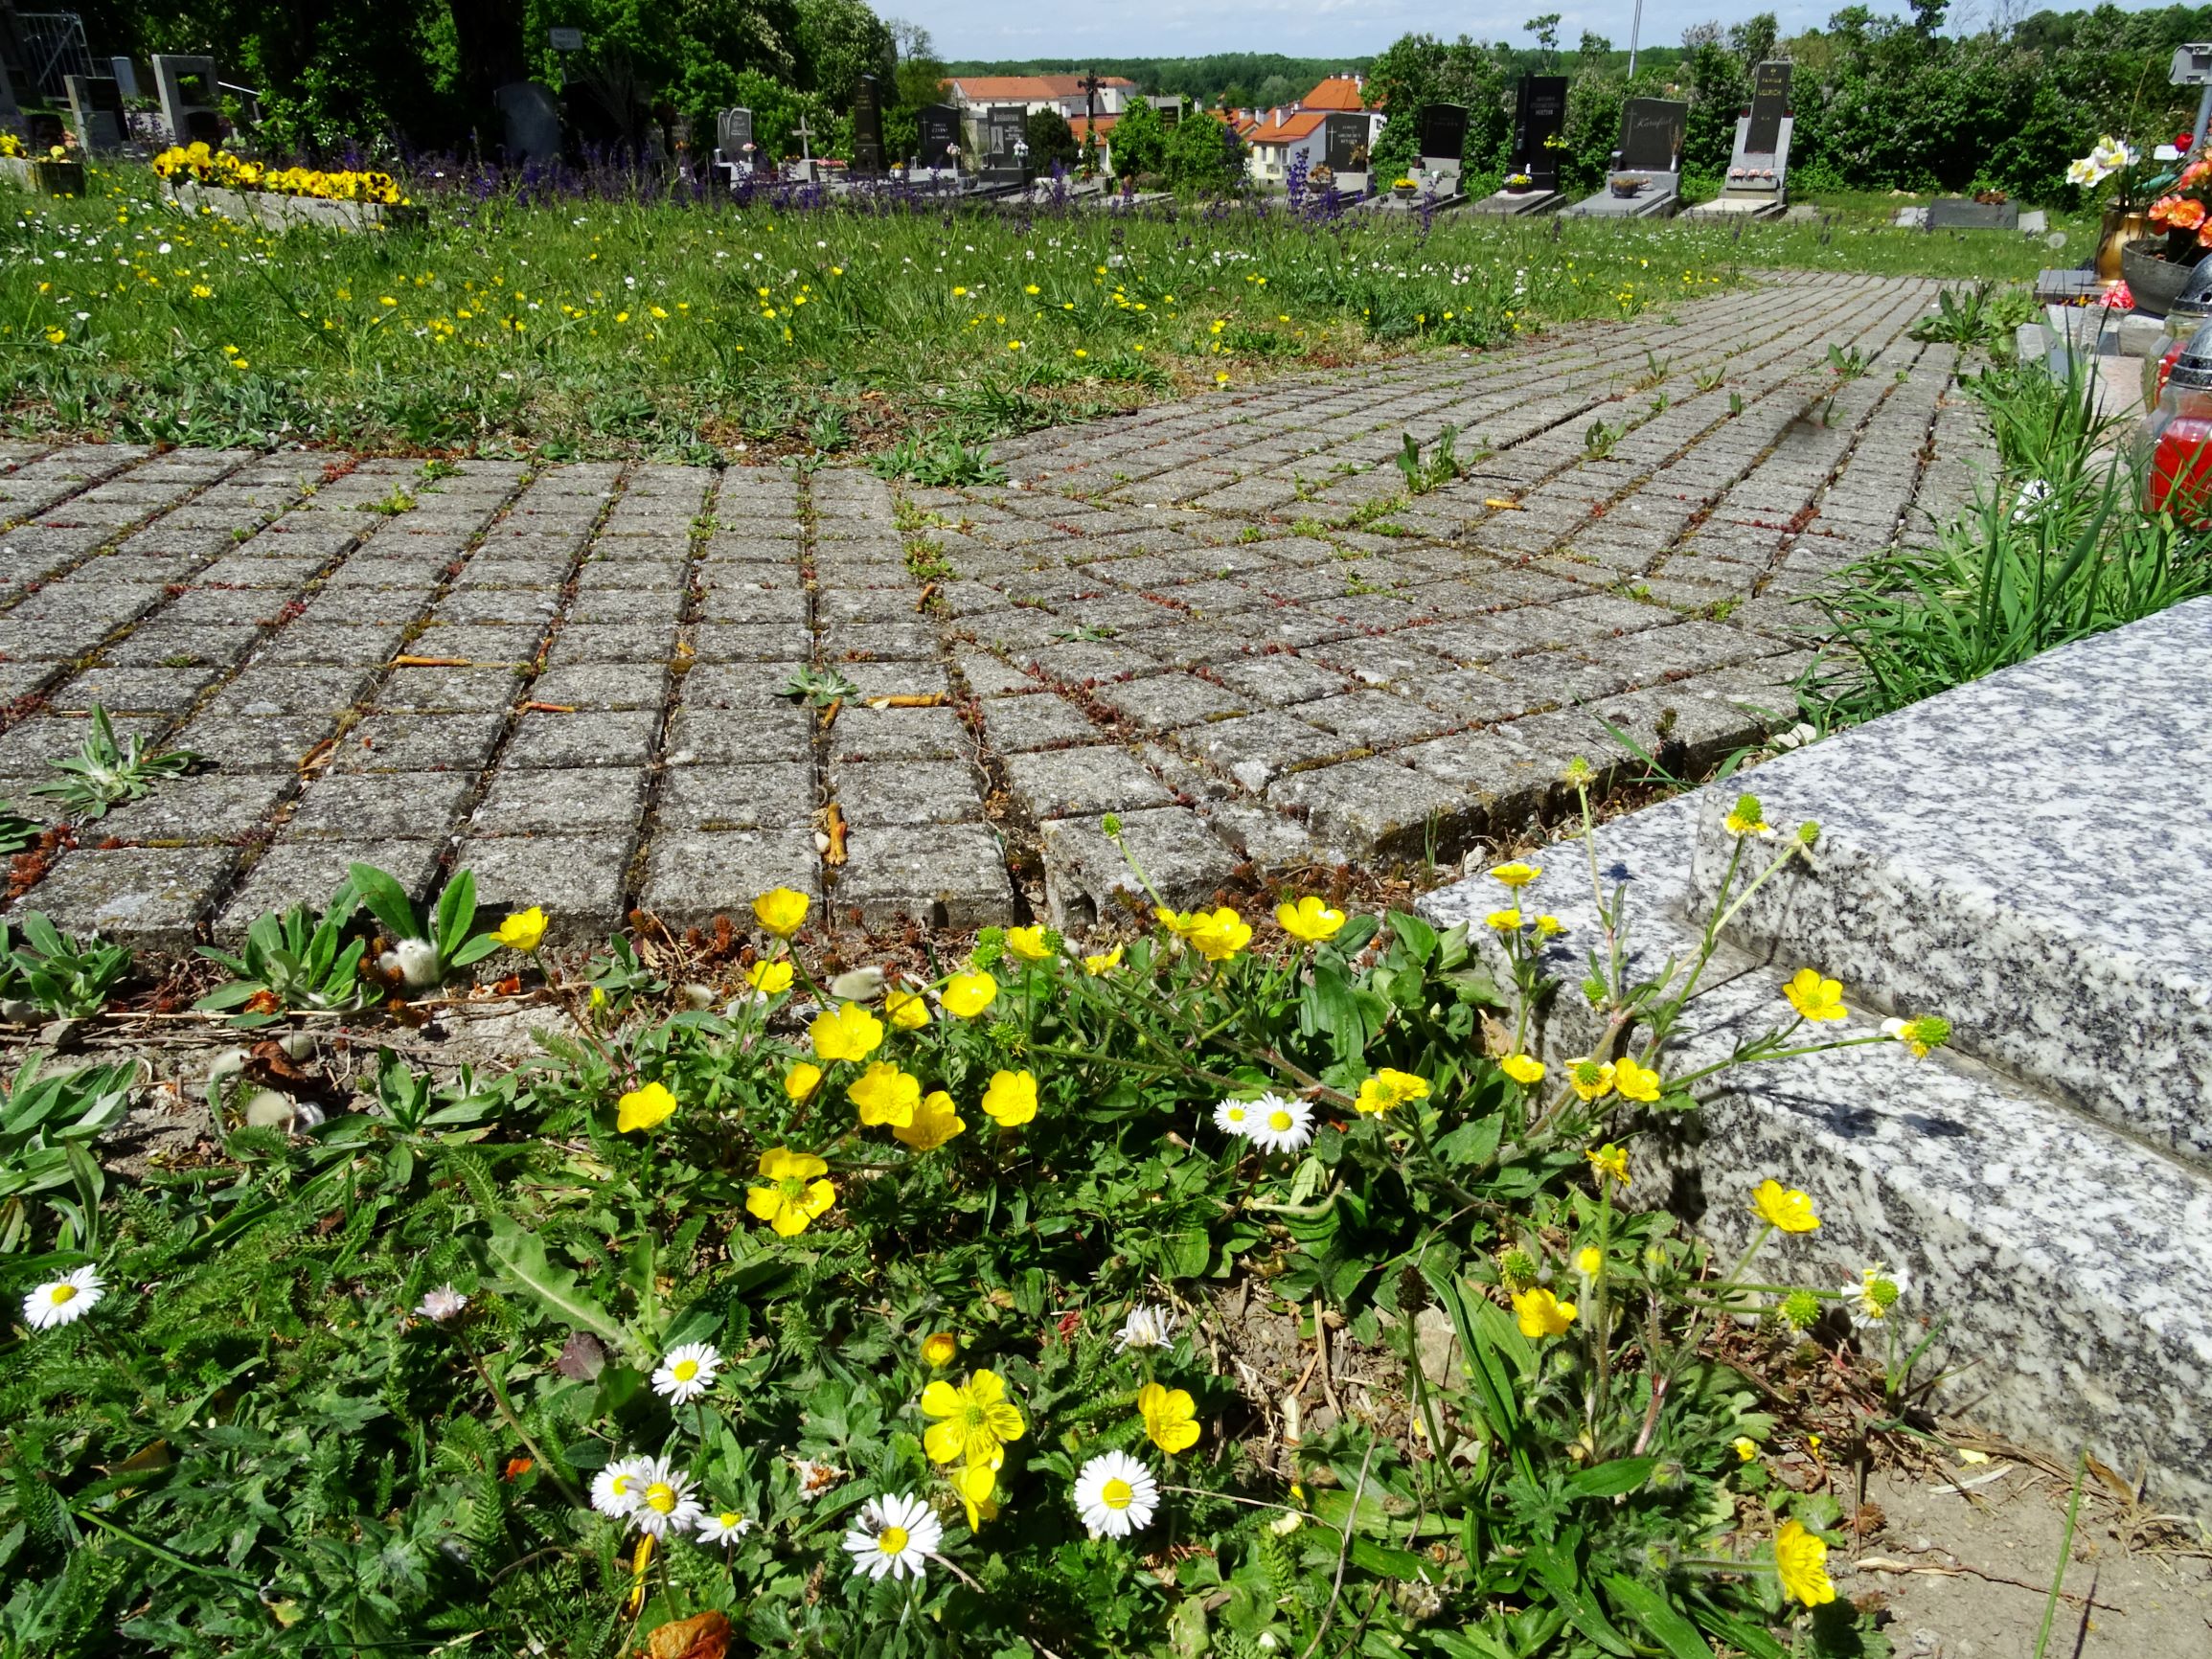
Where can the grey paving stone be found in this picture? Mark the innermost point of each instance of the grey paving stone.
(739, 736)
(1013, 725)
(236, 744)
(1087, 879)
(1081, 782)
(865, 734)
(391, 742)
(946, 875)
(28, 745)
(693, 877)
(578, 879)
(532, 803)
(905, 792)
(261, 690)
(615, 738)
(1373, 806)
(309, 873)
(740, 685)
(444, 690)
(132, 690)
(779, 795)
(200, 808)
(380, 806)
(1165, 701)
(150, 898)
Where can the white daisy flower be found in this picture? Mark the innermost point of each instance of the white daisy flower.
(441, 1304)
(65, 1301)
(1281, 1124)
(687, 1372)
(1235, 1117)
(615, 1490)
(1147, 1326)
(664, 1503)
(1115, 1494)
(726, 1527)
(1871, 1300)
(892, 1536)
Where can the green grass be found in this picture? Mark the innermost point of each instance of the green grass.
(642, 327)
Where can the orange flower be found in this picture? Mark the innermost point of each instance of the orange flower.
(2161, 208)
(2205, 236)
(2186, 214)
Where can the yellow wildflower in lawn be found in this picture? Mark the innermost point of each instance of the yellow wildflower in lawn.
(643, 1108)
(885, 1095)
(1011, 1099)
(1815, 998)
(1220, 936)
(781, 911)
(907, 1008)
(977, 1488)
(1524, 1069)
(1589, 1261)
(1748, 818)
(524, 930)
(1104, 962)
(1389, 1088)
(1171, 1416)
(1309, 920)
(802, 1080)
(973, 1420)
(1549, 926)
(969, 994)
(1609, 1163)
(940, 1350)
(1636, 1083)
(1517, 875)
(1786, 1208)
(1542, 1314)
(936, 1120)
(1590, 1080)
(1745, 1449)
(848, 1032)
(797, 1194)
(1027, 943)
(1504, 921)
(1801, 1562)
(770, 978)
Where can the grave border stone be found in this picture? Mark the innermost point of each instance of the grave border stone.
(1652, 129)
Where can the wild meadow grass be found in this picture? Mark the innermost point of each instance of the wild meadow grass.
(611, 322)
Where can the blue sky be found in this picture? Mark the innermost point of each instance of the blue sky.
(991, 29)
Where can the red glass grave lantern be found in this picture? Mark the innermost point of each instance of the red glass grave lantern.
(2180, 433)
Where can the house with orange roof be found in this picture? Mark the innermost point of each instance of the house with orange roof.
(1063, 93)
(1274, 139)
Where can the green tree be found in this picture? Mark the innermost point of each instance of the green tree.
(1050, 139)
(1138, 141)
(1718, 87)
(839, 41)
(1547, 29)
(1420, 70)
(1204, 156)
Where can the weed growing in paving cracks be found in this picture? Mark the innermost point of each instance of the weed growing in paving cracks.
(885, 1325)
(1847, 364)
(49, 1123)
(1977, 316)
(1439, 466)
(51, 973)
(2057, 550)
(1599, 441)
(941, 461)
(1707, 380)
(103, 773)
(17, 831)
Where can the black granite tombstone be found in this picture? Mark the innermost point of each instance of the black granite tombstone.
(1769, 104)
(939, 126)
(1443, 130)
(1652, 134)
(1540, 114)
(734, 137)
(1006, 144)
(1344, 143)
(867, 128)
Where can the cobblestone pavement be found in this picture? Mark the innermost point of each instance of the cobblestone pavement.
(1220, 619)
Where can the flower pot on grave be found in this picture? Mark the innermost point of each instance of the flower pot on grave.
(1625, 187)
(2156, 282)
(58, 177)
(2117, 231)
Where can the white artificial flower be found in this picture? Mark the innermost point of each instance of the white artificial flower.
(687, 1372)
(725, 1528)
(2084, 171)
(1281, 1124)
(1115, 1494)
(892, 1536)
(615, 1490)
(65, 1300)
(663, 1501)
(1147, 1326)
(1235, 1118)
(441, 1304)
(1871, 1300)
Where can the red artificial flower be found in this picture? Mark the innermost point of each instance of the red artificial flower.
(2119, 298)
(2183, 140)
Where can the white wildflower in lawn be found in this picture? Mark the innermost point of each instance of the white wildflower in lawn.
(892, 1536)
(1115, 1494)
(615, 1490)
(815, 1479)
(1281, 1124)
(1872, 1298)
(65, 1300)
(726, 1527)
(441, 1304)
(1235, 1117)
(687, 1372)
(664, 1503)
(1147, 1326)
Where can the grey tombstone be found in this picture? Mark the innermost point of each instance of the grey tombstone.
(1006, 146)
(1972, 215)
(867, 128)
(1540, 114)
(96, 111)
(734, 151)
(938, 125)
(1344, 151)
(11, 112)
(1440, 140)
(125, 75)
(1648, 182)
(185, 87)
(1756, 185)
(533, 121)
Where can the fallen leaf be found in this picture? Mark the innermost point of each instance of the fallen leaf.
(834, 826)
(517, 1468)
(432, 663)
(911, 700)
(581, 1358)
(318, 757)
(830, 713)
(928, 592)
(703, 1636)
(550, 707)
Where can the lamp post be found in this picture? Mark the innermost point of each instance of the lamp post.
(1636, 29)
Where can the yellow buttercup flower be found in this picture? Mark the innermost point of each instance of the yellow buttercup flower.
(796, 1195)
(1178, 922)
(1503, 920)
(643, 1108)
(524, 930)
(973, 1420)
(1801, 1562)
(1815, 998)
(1785, 1208)
(940, 1350)
(1745, 1449)
(1104, 962)
(1387, 1089)
(1609, 1163)
(1027, 943)
(1542, 1314)
(781, 911)
(936, 1122)
(802, 1080)
(770, 978)
(1636, 1083)
(885, 1095)
(848, 1032)
(969, 994)
(1171, 1416)
(1524, 1069)
(1589, 1261)
(1549, 926)
(1590, 1080)
(1219, 936)
(1309, 920)
(1011, 1099)
(1517, 875)
(977, 1486)
(908, 1010)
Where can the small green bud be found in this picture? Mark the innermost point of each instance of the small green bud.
(1515, 1268)
(1801, 1308)
(1110, 826)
